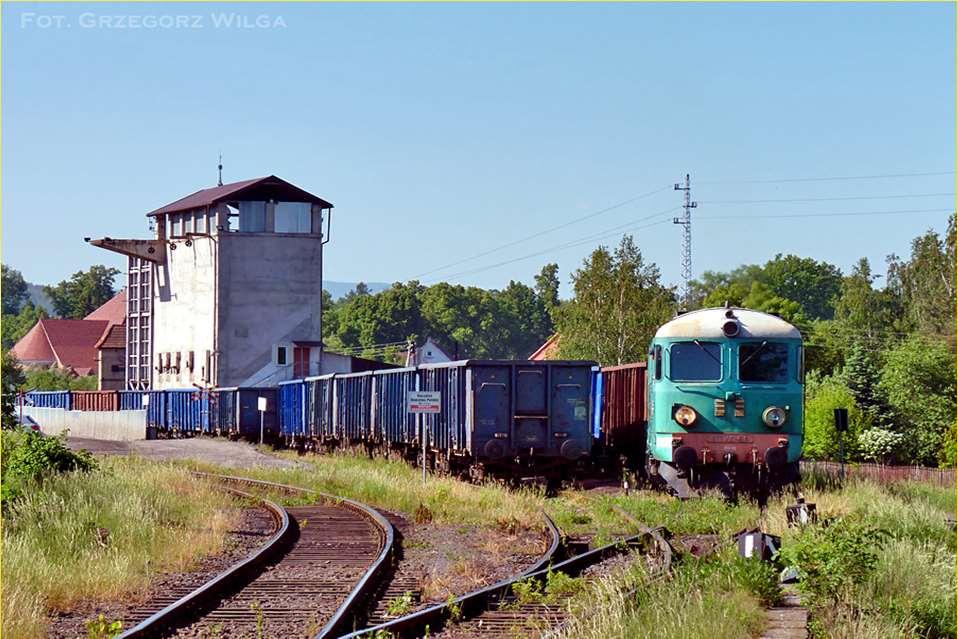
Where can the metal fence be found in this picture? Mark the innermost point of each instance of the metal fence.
(883, 474)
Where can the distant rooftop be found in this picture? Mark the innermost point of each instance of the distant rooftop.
(113, 311)
(72, 343)
(263, 188)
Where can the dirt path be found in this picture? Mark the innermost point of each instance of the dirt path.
(216, 451)
(788, 621)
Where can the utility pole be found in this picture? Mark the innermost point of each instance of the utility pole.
(686, 221)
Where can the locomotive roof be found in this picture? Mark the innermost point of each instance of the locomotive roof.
(707, 323)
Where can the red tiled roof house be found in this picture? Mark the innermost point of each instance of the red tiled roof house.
(93, 345)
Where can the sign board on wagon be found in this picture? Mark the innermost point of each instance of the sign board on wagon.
(423, 401)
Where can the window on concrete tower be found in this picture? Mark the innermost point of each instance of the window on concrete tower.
(293, 217)
(252, 217)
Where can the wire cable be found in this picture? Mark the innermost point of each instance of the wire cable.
(828, 199)
(578, 242)
(546, 231)
(838, 178)
(829, 214)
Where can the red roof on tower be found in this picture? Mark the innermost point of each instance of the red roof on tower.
(269, 187)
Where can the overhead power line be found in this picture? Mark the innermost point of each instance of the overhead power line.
(622, 228)
(829, 199)
(577, 242)
(829, 214)
(880, 176)
(545, 231)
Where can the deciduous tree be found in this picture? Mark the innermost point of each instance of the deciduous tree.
(16, 326)
(619, 303)
(83, 293)
(918, 379)
(13, 289)
(926, 282)
(13, 380)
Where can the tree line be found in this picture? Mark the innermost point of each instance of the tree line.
(882, 346)
(73, 298)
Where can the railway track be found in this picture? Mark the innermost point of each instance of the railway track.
(494, 612)
(312, 577)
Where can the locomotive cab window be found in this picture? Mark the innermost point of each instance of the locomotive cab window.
(695, 361)
(763, 362)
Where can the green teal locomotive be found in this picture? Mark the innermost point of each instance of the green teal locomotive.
(725, 402)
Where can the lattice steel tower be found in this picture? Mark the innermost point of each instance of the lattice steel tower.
(686, 222)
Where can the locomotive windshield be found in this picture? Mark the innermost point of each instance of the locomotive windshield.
(764, 362)
(695, 362)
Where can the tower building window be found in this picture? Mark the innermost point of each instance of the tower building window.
(252, 217)
(293, 217)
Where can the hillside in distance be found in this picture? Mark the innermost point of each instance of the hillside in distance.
(339, 289)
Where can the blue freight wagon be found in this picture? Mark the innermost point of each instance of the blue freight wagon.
(248, 413)
(292, 403)
(391, 423)
(319, 408)
(187, 410)
(48, 399)
(507, 413)
(352, 397)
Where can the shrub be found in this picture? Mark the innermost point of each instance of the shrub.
(53, 379)
(919, 380)
(831, 560)
(30, 456)
(881, 446)
(821, 440)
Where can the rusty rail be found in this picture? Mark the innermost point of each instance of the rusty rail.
(476, 602)
(368, 582)
(240, 575)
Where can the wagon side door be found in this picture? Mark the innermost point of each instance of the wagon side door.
(571, 387)
(532, 408)
(491, 424)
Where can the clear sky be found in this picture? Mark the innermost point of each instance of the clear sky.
(443, 131)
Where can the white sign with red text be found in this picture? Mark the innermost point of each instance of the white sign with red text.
(423, 401)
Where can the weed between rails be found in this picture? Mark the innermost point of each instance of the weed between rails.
(399, 606)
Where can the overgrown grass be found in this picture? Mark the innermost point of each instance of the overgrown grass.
(577, 512)
(717, 597)
(898, 584)
(396, 486)
(100, 535)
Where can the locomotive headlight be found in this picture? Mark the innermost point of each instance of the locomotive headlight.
(685, 415)
(774, 416)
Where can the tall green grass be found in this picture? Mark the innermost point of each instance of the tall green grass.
(102, 535)
(908, 589)
(396, 486)
(584, 512)
(719, 597)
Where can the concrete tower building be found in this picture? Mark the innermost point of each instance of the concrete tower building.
(229, 292)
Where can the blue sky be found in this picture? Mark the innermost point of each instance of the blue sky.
(442, 131)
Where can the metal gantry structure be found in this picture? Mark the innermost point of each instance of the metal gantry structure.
(686, 222)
